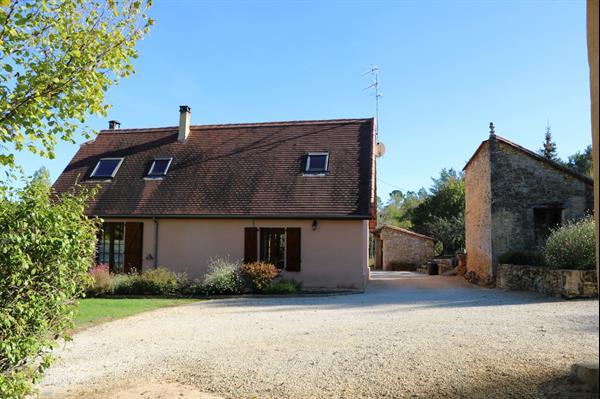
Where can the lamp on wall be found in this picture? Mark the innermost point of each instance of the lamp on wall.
(149, 257)
(314, 225)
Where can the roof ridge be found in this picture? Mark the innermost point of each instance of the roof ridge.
(242, 124)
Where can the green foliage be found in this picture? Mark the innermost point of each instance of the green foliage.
(526, 258)
(58, 59)
(582, 161)
(259, 274)
(282, 287)
(160, 281)
(398, 210)
(572, 246)
(441, 214)
(548, 149)
(449, 231)
(223, 277)
(46, 248)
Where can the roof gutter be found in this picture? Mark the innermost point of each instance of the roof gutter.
(208, 216)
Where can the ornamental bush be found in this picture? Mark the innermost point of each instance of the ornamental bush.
(47, 245)
(259, 274)
(223, 277)
(283, 287)
(572, 246)
(101, 281)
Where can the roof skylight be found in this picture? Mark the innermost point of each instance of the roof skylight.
(317, 162)
(159, 167)
(107, 167)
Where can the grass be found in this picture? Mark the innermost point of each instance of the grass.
(94, 311)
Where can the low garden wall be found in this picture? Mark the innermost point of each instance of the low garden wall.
(556, 282)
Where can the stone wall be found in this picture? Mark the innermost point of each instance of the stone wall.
(403, 249)
(521, 183)
(556, 282)
(504, 184)
(478, 215)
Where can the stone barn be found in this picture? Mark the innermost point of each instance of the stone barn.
(513, 197)
(401, 249)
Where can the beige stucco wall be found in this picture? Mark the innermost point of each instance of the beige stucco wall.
(478, 214)
(335, 255)
(403, 250)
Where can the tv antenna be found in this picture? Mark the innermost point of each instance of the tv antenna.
(374, 72)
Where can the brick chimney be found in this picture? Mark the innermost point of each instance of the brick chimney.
(184, 122)
(114, 125)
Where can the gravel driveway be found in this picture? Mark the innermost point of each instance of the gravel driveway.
(409, 335)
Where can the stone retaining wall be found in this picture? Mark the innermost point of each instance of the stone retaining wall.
(556, 282)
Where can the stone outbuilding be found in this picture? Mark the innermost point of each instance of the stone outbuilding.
(401, 249)
(513, 197)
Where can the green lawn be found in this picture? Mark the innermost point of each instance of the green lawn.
(98, 310)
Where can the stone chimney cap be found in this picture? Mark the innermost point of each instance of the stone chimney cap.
(492, 129)
(112, 125)
(185, 108)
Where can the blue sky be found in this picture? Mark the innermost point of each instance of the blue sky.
(446, 69)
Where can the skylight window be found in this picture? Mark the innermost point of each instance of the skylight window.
(317, 162)
(159, 167)
(107, 167)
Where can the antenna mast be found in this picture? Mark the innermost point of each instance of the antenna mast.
(374, 72)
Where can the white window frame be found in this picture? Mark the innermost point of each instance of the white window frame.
(154, 176)
(316, 172)
(93, 174)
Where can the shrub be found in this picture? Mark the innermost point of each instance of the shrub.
(572, 246)
(101, 280)
(259, 274)
(189, 287)
(160, 281)
(280, 287)
(46, 247)
(223, 277)
(531, 258)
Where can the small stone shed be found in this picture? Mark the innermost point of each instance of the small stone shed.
(513, 197)
(401, 249)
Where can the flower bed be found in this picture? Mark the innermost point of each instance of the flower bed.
(566, 283)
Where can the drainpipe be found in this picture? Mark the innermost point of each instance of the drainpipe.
(155, 242)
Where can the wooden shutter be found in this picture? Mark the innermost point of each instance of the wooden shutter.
(292, 250)
(133, 246)
(250, 244)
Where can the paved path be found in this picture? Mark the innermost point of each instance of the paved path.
(409, 335)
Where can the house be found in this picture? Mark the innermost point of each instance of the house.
(401, 249)
(300, 195)
(513, 197)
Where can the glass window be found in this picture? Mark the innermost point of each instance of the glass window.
(159, 167)
(111, 246)
(107, 167)
(272, 246)
(317, 162)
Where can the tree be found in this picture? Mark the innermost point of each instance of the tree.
(42, 175)
(46, 247)
(441, 214)
(398, 209)
(58, 59)
(582, 161)
(548, 149)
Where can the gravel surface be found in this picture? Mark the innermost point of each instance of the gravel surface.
(409, 335)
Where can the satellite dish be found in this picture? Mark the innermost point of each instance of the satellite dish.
(379, 149)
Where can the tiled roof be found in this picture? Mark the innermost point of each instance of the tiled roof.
(237, 170)
(404, 231)
(555, 165)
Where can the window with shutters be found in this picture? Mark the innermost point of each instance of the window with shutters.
(272, 246)
(276, 245)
